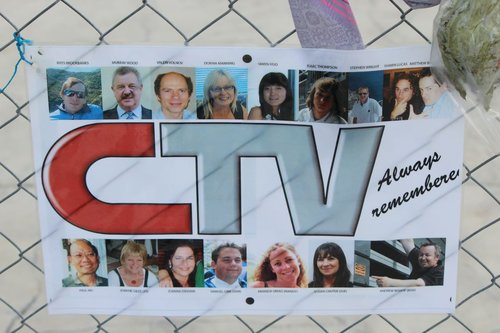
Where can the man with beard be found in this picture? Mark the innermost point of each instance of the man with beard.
(84, 258)
(127, 88)
(427, 269)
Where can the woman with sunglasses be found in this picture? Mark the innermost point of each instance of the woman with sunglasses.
(220, 98)
(74, 103)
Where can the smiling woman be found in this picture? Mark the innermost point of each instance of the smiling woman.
(280, 267)
(330, 267)
(132, 273)
(180, 266)
(275, 97)
(220, 98)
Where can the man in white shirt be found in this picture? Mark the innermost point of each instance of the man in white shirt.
(366, 109)
(227, 264)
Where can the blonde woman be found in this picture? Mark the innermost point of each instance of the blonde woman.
(132, 273)
(220, 98)
(280, 267)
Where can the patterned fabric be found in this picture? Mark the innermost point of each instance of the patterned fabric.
(326, 24)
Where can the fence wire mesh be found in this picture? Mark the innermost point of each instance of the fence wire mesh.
(220, 23)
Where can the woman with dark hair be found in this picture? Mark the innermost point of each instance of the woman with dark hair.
(280, 267)
(405, 99)
(180, 266)
(330, 267)
(275, 97)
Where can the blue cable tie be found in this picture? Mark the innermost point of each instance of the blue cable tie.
(20, 44)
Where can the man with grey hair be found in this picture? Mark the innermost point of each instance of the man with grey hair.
(127, 88)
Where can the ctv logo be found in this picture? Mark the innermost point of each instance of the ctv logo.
(315, 208)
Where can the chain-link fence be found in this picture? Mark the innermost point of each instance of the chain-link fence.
(220, 23)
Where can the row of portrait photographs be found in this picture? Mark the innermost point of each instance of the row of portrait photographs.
(197, 263)
(130, 93)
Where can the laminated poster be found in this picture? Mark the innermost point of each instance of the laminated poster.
(209, 181)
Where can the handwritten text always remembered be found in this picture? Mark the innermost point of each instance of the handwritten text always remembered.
(399, 173)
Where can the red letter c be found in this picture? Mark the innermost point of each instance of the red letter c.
(63, 178)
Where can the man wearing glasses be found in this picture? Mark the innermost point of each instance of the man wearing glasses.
(127, 88)
(366, 109)
(84, 258)
(74, 103)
